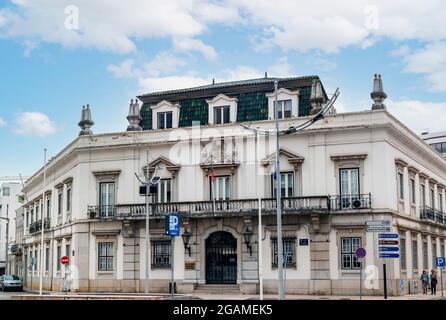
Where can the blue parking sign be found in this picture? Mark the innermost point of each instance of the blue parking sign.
(172, 225)
(440, 262)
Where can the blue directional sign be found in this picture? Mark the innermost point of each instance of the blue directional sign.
(172, 225)
(440, 262)
(389, 255)
(388, 236)
(387, 249)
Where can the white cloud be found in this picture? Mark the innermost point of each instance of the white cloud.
(431, 62)
(122, 70)
(163, 63)
(154, 84)
(34, 124)
(409, 111)
(2, 122)
(189, 44)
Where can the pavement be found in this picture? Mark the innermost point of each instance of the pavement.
(140, 296)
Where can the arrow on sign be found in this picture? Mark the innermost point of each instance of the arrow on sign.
(389, 249)
(388, 242)
(389, 255)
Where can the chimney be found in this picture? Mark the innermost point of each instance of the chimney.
(316, 97)
(378, 95)
(86, 123)
(134, 117)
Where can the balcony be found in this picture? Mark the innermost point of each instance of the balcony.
(37, 226)
(351, 202)
(428, 213)
(206, 208)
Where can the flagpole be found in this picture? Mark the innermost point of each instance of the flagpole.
(42, 223)
(212, 184)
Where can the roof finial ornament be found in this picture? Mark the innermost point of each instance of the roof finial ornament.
(317, 97)
(134, 117)
(213, 80)
(378, 95)
(86, 123)
(266, 74)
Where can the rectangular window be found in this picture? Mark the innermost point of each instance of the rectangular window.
(59, 255)
(107, 199)
(105, 257)
(423, 195)
(221, 115)
(349, 260)
(68, 250)
(32, 215)
(440, 202)
(412, 191)
(286, 184)
(400, 185)
(164, 191)
(164, 120)
(69, 195)
(59, 201)
(285, 109)
(37, 212)
(48, 208)
(289, 252)
(425, 255)
(36, 259)
(221, 187)
(415, 254)
(47, 259)
(403, 253)
(161, 250)
(432, 198)
(442, 253)
(6, 191)
(434, 252)
(349, 186)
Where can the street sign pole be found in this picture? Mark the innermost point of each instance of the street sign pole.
(441, 280)
(172, 287)
(385, 279)
(360, 281)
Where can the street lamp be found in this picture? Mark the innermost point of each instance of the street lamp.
(320, 111)
(247, 235)
(186, 238)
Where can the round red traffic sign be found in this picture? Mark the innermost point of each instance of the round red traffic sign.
(65, 260)
(360, 252)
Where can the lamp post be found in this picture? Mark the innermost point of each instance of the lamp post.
(319, 111)
(247, 235)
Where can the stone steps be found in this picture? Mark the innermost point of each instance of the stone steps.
(217, 289)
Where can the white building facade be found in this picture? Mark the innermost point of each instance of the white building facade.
(9, 203)
(341, 172)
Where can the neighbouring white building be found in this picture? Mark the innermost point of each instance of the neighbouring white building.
(344, 170)
(437, 140)
(9, 203)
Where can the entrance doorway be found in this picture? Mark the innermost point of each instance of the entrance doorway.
(221, 258)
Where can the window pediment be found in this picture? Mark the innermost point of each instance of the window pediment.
(171, 167)
(282, 95)
(165, 107)
(292, 158)
(222, 100)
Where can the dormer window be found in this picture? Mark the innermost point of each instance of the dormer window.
(165, 115)
(221, 114)
(285, 109)
(288, 103)
(222, 109)
(164, 120)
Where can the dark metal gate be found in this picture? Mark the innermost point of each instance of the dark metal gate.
(221, 258)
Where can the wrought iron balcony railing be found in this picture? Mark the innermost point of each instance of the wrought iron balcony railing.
(351, 202)
(37, 226)
(204, 208)
(432, 214)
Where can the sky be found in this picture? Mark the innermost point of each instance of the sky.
(57, 55)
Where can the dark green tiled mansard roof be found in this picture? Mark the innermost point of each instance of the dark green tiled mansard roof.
(251, 95)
